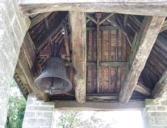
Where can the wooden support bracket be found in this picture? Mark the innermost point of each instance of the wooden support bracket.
(145, 40)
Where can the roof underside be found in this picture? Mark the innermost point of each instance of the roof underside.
(116, 36)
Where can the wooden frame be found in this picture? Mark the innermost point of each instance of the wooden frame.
(149, 31)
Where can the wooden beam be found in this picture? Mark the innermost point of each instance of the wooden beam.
(78, 30)
(91, 18)
(145, 40)
(107, 17)
(143, 89)
(38, 19)
(101, 98)
(161, 86)
(99, 106)
(134, 7)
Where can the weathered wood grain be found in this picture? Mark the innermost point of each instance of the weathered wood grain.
(134, 7)
(38, 19)
(101, 106)
(78, 29)
(29, 50)
(23, 64)
(145, 40)
(161, 86)
(143, 89)
(52, 31)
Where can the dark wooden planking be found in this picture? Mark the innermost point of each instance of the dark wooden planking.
(29, 50)
(52, 31)
(91, 85)
(21, 81)
(145, 41)
(38, 19)
(23, 64)
(161, 86)
(78, 39)
(109, 42)
(134, 7)
(101, 106)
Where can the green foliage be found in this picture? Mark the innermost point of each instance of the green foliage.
(17, 104)
(68, 120)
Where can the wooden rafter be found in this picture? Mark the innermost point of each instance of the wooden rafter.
(52, 31)
(146, 38)
(78, 29)
(90, 18)
(143, 89)
(106, 18)
(134, 7)
(38, 19)
(161, 86)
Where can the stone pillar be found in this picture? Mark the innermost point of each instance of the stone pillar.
(13, 27)
(155, 113)
(38, 114)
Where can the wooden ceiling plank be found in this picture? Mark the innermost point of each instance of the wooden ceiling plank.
(113, 23)
(146, 38)
(134, 7)
(38, 19)
(161, 86)
(78, 39)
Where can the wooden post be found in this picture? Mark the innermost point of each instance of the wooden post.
(98, 16)
(145, 40)
(78, 29)
(161, 86)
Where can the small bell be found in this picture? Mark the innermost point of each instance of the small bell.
(54, 78)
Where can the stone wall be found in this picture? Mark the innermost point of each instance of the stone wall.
(155, 113)
(38, 114)
(13, 27)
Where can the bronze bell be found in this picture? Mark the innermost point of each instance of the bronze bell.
(54, 79)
